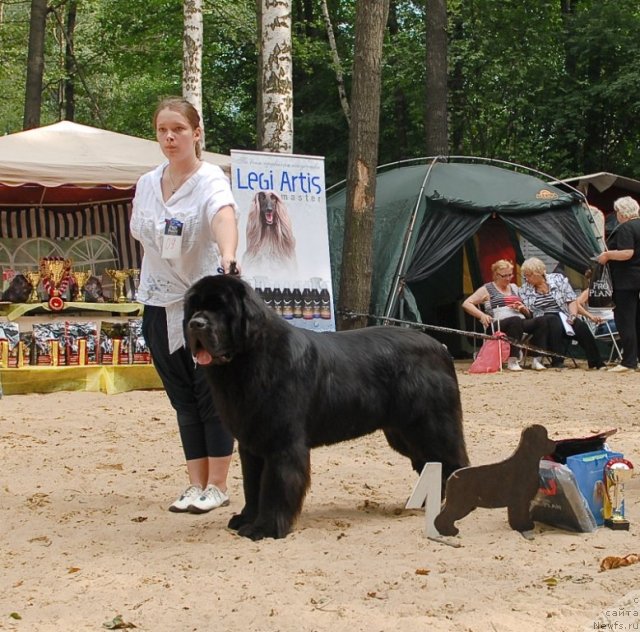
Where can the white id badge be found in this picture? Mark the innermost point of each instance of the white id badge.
(172, 239)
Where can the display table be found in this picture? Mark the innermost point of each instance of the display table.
(13, 311)
(106, 378)
(109, 379)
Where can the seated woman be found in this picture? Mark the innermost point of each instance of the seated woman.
(550, 296)
(504, 310)
(601, 317)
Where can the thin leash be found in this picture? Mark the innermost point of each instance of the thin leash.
(448, 330)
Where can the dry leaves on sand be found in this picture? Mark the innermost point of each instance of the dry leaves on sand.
(614, 561)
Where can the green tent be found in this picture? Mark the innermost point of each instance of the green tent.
(428, 218)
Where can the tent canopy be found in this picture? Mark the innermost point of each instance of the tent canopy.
(426, 215)
(68, 162)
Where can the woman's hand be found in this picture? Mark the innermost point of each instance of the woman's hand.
(486, 320)
(229, 265)
(603, 258)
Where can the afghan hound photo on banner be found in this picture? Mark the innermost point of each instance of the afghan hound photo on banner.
(271, 246)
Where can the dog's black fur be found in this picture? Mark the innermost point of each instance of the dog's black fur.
(18, 291)
(282, 390)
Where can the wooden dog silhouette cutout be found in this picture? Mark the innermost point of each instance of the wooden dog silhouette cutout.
(512, 483)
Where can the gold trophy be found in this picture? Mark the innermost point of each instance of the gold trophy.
(80, 278)
(119, 277)
(34, 279)
(134, 273)
(616, 472)
(55, 278)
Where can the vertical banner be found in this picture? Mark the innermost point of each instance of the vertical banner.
(284, 239)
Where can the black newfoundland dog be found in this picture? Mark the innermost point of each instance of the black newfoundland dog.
(282, 390)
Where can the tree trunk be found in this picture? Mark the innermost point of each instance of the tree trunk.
(342, 93)
(435, 114)
(69, 63)
(35, 64)
(192, 57)
(275, 76)
(400, 107)
(355, 282)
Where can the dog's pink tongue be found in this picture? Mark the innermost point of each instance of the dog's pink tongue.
(203, 357)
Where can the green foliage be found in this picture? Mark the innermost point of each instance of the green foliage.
(560, 93)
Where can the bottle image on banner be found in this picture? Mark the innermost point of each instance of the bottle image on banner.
(267, 295)
(287, 301)
(277, 298)
(297, 300)
(315, 297)
(325, 301)
(307, 301)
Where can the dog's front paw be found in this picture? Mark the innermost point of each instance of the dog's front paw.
(255, 531)
(238, 521)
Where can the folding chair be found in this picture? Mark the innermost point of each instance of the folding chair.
(611, 337)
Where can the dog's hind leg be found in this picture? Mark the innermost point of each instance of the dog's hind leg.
(252, 467)
(423, 444)
(285, 479)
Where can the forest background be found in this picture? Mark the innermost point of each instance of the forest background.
(551, 84)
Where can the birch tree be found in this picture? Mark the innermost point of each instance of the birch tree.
(275, 81)
(192, 56)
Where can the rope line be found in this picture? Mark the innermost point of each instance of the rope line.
(448, 330)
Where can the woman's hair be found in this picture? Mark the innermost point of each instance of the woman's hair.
(499, 264)
(533, 265)
(626, 206)
(182, 106)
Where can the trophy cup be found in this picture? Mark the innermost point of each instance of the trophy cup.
(34, 279)
(134, 273)
(80, 278)
(616, 472)
(119, 277)
(55, 279)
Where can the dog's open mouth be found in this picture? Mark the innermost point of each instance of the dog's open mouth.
(268, 217)
(204, 357)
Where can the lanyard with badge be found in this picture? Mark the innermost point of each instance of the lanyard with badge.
(172, 238)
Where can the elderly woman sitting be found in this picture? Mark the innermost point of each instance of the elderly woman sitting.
(504, 311)
(550, 296)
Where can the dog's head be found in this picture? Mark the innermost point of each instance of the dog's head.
(267, 203)
(93, 290)
(222, 317)
(536, 440)
(18, 290)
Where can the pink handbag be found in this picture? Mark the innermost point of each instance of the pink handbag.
(491, 355)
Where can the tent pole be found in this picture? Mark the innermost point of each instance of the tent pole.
(393, 296)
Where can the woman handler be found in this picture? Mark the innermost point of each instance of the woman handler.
(184, 215)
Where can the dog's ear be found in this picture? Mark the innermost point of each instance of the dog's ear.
(253, 314)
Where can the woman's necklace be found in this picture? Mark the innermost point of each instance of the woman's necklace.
(181, 181)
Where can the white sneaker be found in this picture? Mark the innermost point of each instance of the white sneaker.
(211, 498)
(536, 365)
(513, 365)
(193, 492)
(620, 368)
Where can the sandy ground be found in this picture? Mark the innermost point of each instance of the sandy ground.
(85, 534)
